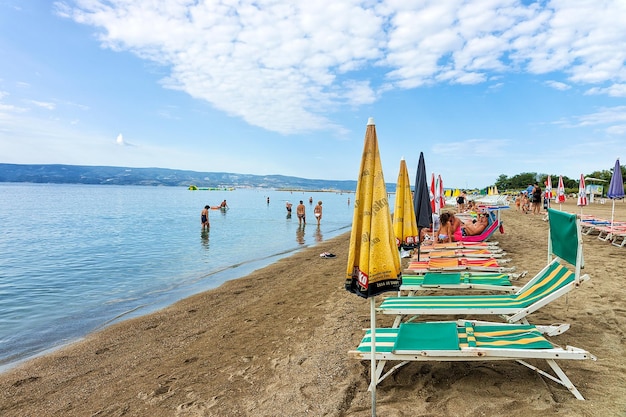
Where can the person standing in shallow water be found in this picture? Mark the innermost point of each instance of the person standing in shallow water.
(204, 217)
(317, 211)
(301, 212)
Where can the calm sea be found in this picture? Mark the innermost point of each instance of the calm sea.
(75, 258)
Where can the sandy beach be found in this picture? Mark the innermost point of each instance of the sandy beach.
(275, 343)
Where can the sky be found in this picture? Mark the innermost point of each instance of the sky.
(482, 87)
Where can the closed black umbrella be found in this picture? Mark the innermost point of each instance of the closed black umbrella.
(421, 201)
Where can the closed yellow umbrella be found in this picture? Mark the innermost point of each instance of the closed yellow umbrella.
(373, 257)
(404, 224)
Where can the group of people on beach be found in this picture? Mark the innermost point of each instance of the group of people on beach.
(529, 200)
(301, 211)
(204, 214)
(447, 227)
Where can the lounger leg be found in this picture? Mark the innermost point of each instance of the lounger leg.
(562, 378)
(379, 371)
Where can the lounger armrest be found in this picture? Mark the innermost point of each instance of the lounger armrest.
(579, 350)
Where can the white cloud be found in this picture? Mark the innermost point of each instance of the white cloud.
(558, 85)
(615, 90)
(604, 116)
(618, 130)
(287, 66)
(43, 104)
(120, 140)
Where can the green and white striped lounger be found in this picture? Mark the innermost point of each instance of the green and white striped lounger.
(468, 341)
(549, 284)
(457, 280)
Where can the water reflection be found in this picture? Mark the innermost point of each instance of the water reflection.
(204, 238)
(318, 235)
(300, 234)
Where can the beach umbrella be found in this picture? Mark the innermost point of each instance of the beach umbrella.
(560, 192)
(404, 225)
(440, 198)
(616, 187)
(582, 196)
(421, 200)
(373, 258)
(549, 188)
(431, 192)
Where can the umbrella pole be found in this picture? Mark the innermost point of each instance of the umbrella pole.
(374, 381)
(419, 242)
(612, 212)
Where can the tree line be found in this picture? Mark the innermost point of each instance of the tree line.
(521, 181)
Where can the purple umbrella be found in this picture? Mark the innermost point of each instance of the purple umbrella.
(616, 187)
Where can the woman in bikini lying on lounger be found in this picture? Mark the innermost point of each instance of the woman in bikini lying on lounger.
(474, 229)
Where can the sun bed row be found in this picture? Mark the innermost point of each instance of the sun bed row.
(408, 340)
(606, 230)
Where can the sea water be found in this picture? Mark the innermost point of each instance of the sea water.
(75, 258)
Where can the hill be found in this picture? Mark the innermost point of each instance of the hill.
(79, 174)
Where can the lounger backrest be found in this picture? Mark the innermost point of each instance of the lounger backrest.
(563, 238)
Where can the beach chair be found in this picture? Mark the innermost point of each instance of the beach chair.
(494, 224)
(458, 280)
(463, 253)
(591, 224)
(466, 340)
(607, 233)
(458, 264)
(552, 282)
(489, 245)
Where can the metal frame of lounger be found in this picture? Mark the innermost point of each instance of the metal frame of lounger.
(616, 239)
(475, 342)
(606, 233)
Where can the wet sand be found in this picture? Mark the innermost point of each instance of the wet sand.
(275, 343)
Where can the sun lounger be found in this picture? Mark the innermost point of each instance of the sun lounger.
(549, 284)
(465, 340)
(495, 224)
(457, 280)
(552, 282)
(462, 253)
(489, 245)
(458, 264)
(606, 233)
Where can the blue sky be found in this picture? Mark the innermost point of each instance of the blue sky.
(483, 88)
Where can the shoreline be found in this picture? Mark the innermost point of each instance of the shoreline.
(275, 343)
(226, 274)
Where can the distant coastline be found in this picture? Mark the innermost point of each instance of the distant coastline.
(107, 175)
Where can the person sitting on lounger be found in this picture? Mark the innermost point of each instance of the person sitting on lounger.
(444, 233)
(474, 229)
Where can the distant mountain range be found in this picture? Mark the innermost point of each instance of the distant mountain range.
(79, 174)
